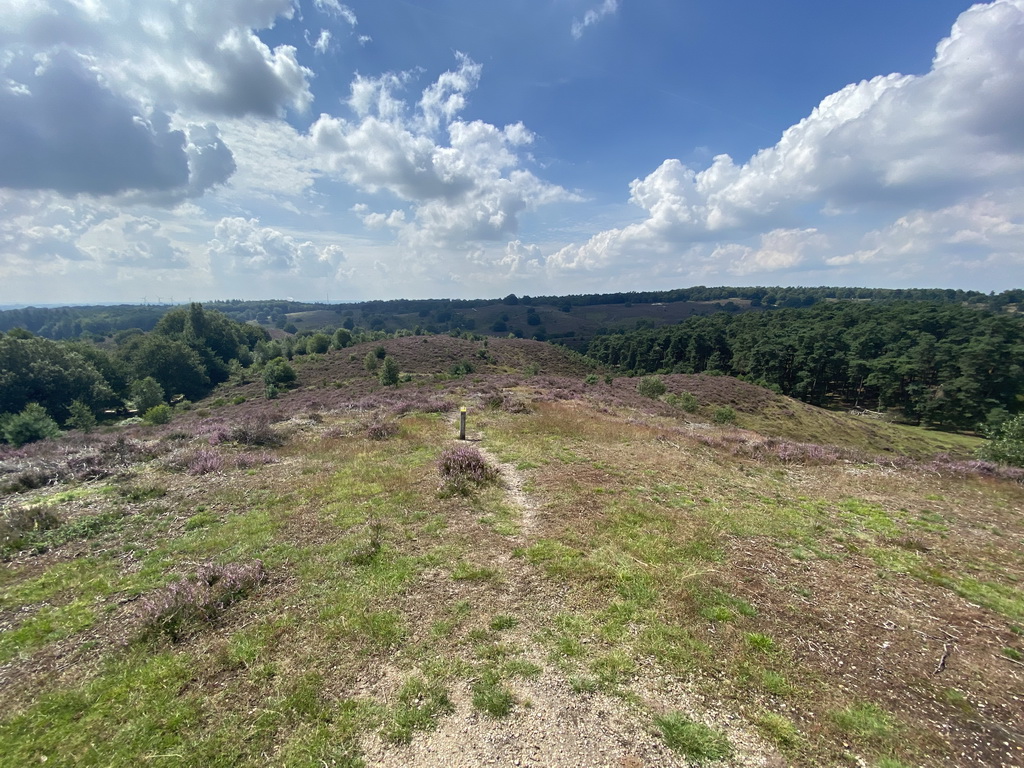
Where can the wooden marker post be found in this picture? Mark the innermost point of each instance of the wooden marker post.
(462, 423)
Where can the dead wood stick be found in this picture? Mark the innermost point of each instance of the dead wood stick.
(946, 649)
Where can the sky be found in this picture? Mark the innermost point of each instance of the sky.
(176, 150)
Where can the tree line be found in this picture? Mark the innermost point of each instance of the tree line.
(189, 351)
(936, 363)
(97, 322)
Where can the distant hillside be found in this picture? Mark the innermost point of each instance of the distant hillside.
(572, 318)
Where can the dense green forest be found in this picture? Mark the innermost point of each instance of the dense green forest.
(942, 364)
(449, 314)
(189, 351)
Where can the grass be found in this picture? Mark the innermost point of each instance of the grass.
(692, 739)
(652, 556)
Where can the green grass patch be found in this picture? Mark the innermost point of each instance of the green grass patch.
(692, 739)
(492, 697)
(867, 722)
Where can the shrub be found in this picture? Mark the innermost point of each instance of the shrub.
(388, 375)
(382, 430)
(318, 343)
(370, 362)
(158, 414)
(21, 523)
(651, 386)
(278, 373)
(1007, 443)
(462, 467)
(724, 415)
(198, 598)
(81, 416)
(685, 401)
(461, 368)
(203, 462)
(342, 338)
(255, 431)
(250, 460)
(590, 379)
(32, 424)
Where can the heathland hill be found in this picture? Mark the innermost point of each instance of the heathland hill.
(609, 571)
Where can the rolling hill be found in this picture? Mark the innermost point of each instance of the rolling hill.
(594, 577)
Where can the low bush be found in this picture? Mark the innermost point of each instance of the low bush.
(382, 430)
(204, 462)
(255, 431)
(651, 386)
(20, 525)
(724, 415)
(462, 468)
(198, 599)
(158, 414)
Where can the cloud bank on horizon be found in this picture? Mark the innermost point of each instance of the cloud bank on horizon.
(259, 149)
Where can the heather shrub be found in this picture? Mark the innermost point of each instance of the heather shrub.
(651, 386)
(20, 523)
(255, 431)
(32, 424)
(203, 462)
(382, 430)
(199, 598)
(463, 468)
(251, 460)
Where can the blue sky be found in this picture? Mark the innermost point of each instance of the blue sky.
(321, 149)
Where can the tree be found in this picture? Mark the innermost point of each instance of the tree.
(318, 343)
(342, 338)
(146, 393)
(388, 375)
(278, 373)
(81, 416)
(33, 423)
(1007, 444)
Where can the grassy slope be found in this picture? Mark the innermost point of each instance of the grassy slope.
(814, 612)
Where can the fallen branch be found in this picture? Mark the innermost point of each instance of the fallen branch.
(946, 650)
(1012, 661)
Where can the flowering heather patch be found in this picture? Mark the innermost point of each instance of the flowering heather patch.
(199, 598)
(250, 460)
(255, 431)
(203, 462)
(462, 467)
(944, 463)
(382, 430)
(778, 449)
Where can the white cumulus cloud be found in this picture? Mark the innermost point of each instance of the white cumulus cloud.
(242, 245)
(892, 143)
(463, 180)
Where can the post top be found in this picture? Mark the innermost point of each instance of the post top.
(463, 409)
